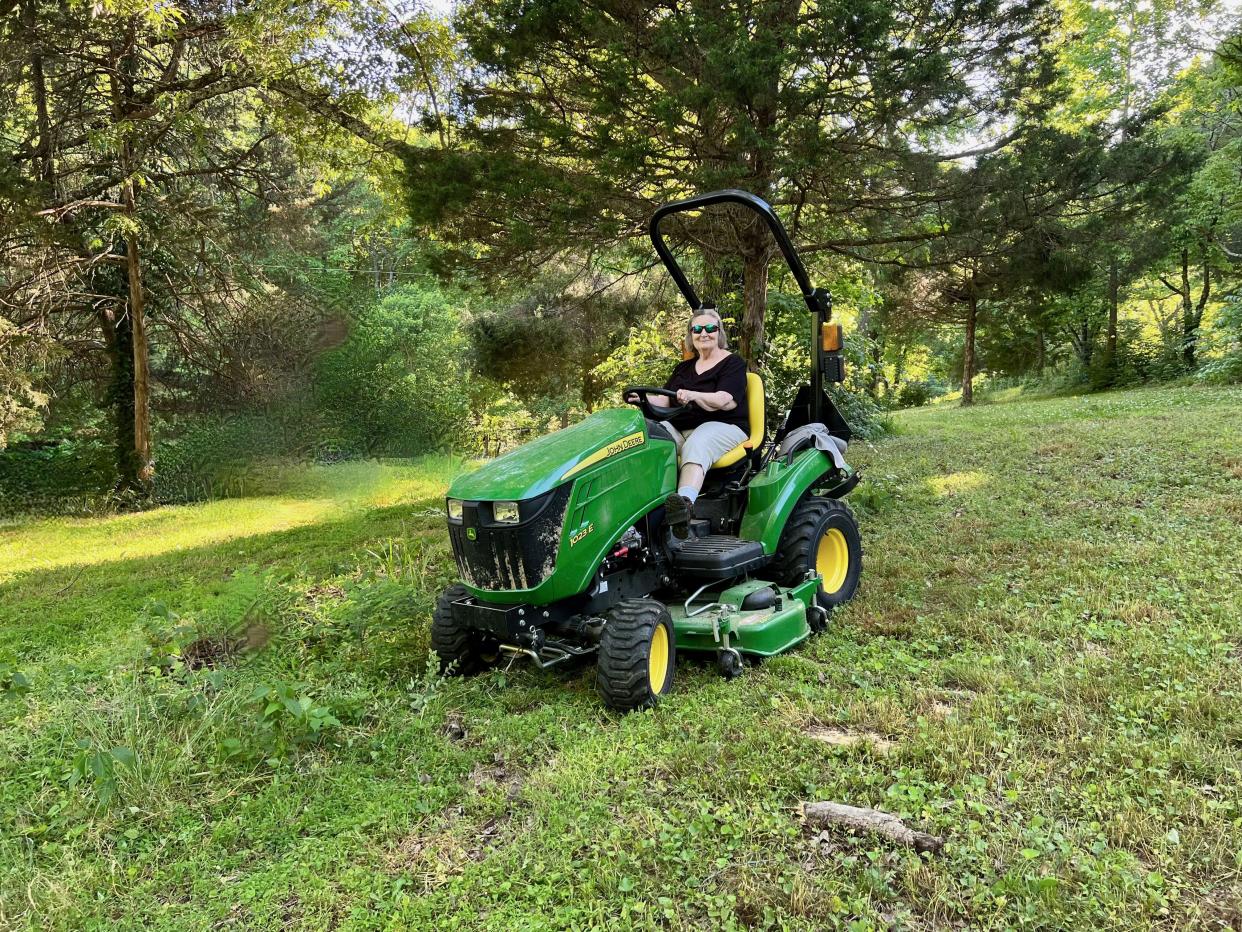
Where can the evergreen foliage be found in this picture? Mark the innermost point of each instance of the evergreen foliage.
(581, 118)
(1002, 192)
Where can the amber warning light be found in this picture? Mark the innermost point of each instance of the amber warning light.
(830, 338)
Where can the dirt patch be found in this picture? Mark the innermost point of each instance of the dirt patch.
(454, 727)
(434, 853)
(326, 592)
(940, 704)
(841, 738)
(1222, 911)
(896, 622)
(432, 859)
(256, 636)
(1054, 449)
(1133, 613)
(497, 773)
(209, 652)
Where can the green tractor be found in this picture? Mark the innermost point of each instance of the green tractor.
(564, 552)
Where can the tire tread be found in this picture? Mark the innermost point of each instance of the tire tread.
(621, 669)
(794, 551)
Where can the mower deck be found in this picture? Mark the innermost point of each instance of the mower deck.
(714, 622)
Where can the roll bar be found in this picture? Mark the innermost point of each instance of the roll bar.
(817, 300)
(824, 361)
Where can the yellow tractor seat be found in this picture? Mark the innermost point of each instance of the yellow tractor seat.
(754, 406)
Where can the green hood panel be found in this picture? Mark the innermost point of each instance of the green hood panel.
(543, 464)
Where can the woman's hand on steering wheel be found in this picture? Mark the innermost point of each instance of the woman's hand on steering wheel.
(637, 395)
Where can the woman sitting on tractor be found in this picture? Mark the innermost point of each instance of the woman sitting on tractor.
(713, 384)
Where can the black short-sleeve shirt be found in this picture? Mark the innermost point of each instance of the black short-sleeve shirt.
(728, 375)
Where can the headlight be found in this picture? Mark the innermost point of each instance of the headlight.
(454, 509)
(505, 512)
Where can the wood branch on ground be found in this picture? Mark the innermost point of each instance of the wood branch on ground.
(871, 820)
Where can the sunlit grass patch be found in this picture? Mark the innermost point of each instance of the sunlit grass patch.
(958, 482)
(309, 496)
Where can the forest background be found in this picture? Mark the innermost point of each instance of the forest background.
(235, 234)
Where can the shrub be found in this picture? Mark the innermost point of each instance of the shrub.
(56, 475)
(1227, 335)
(23, 356)
(399, 383)
(916, 394)
(13, 682)
(96, 767)
(215, 457)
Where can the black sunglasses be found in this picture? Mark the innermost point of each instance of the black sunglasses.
(705, 328)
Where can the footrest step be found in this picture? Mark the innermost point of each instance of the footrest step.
(718, 556)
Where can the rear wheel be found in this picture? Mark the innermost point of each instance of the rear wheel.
(821, 536)
(462, 651)
(637, 654)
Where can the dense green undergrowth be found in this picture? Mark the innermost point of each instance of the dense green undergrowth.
(222, 714)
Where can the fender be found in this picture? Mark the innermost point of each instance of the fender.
(775, 491)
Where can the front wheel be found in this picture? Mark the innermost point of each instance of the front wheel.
(637, 653)
(462, 651)
(821, 536)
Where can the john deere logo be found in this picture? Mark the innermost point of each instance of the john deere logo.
(471, 534)
(617, 446)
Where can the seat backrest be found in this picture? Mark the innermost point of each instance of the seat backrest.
(755, 408)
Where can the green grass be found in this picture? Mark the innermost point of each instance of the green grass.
(1048, 634)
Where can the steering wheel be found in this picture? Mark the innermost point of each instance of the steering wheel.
(653, 411)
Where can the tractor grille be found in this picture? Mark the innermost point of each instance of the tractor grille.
(510, 556)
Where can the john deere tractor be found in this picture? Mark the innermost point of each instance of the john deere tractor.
(564, 552)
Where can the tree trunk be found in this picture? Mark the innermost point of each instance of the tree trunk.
(770, 20)
(1192, 315)
(755, 304)
(1111, 339)
(871, 334)
(119, 396)
(1041, 351)
(899, 366)
(142, 360)
(1081, 338)
(876, 377)
(122, 100)
(45, 161)
(968, 355)
(589, 391)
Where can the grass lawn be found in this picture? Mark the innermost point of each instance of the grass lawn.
(220, 716)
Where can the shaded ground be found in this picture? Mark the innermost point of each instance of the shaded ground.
(1043, 666)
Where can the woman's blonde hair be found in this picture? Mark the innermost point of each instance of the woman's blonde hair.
(721, 340)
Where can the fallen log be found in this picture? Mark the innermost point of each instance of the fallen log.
(871, 820)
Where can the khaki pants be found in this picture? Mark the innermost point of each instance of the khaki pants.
(705, 444)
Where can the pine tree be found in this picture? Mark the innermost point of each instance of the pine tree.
(581, 117)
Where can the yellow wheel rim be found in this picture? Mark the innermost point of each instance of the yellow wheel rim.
(657, 659)
(832, 560)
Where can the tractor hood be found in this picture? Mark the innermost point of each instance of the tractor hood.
(543, 464)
